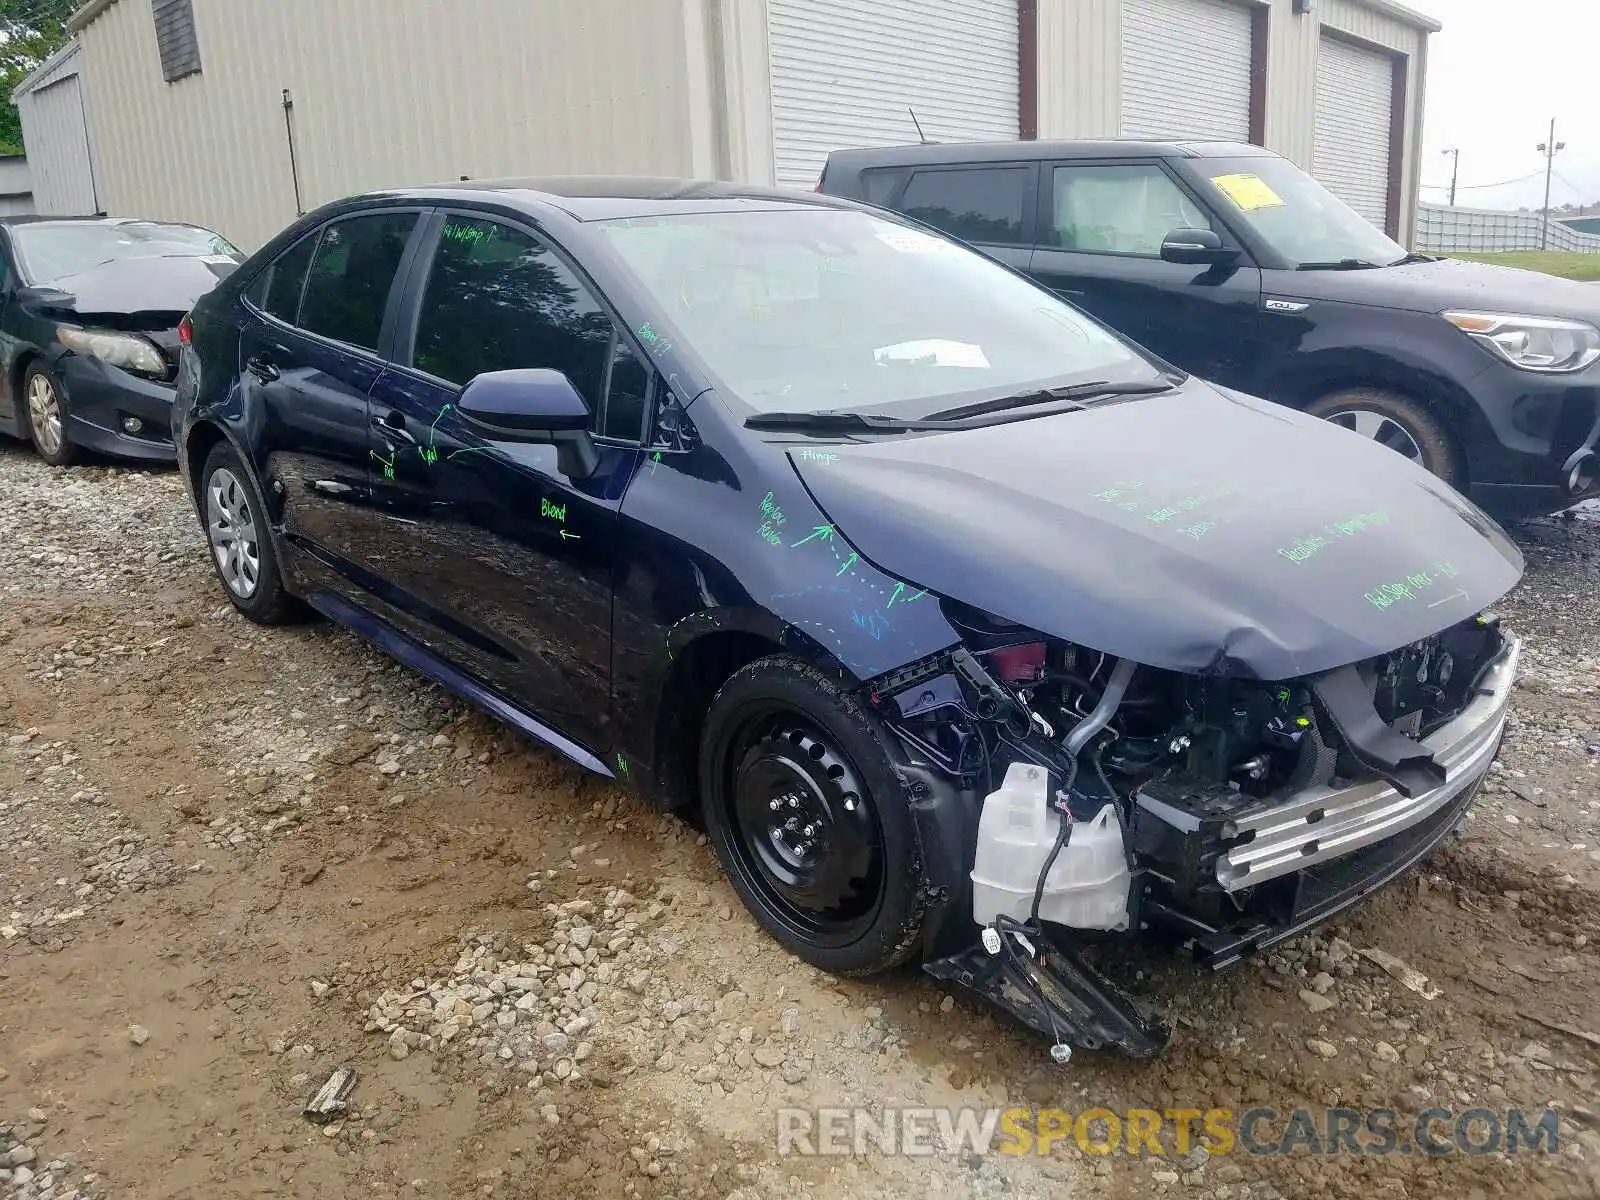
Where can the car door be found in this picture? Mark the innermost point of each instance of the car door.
(1101, 227)
(308, 355)
(989, 205)
(11, 344)
(498, 562)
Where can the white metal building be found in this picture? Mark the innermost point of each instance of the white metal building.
(55, 127)
(238, 113)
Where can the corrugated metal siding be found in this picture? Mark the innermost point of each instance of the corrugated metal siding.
(845, 74)
(58, 66)
(386, 93)
(1355, 90)
(1185, 69)
(55, 132)
(1292, 75)
(1080, 70)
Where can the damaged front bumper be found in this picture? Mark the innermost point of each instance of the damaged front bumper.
(1325, 823)
(1245, 882)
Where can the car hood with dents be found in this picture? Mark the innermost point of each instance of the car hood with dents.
(132, 286)
(1447, 284)
(1199, 530)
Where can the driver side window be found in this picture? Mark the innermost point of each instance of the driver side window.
(1120, 209)
(497, 299)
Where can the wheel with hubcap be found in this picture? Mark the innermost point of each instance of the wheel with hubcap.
(46, 403)
(1397, 422)
(809, 819)
(241, 544)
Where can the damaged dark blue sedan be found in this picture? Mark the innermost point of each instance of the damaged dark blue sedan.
(977, 634)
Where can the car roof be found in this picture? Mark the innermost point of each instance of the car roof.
(971, 152)
(38, 219)
(609, 197)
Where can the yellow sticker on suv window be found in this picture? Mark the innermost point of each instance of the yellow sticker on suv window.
(1249, 192)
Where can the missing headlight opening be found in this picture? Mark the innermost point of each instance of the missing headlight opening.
(1117, 801)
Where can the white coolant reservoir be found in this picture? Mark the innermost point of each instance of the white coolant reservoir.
(1087, 887)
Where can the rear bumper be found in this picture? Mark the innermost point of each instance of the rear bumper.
(100, 397)
(1321, 824)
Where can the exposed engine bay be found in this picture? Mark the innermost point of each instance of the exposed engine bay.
(1122, 800)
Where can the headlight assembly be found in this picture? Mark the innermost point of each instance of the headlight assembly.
(1549, 344)
(126, 350)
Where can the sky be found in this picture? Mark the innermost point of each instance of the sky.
(1496, 75)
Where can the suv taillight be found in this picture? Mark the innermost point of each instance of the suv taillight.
(186, 331)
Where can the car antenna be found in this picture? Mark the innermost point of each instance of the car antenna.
(921, 137)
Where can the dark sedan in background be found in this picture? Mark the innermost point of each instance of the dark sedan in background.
(89, 312)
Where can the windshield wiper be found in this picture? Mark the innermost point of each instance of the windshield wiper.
(1414, 258)
(1067, 397)
(830, 420)
(1343, 264)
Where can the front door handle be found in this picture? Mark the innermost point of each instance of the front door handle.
(262, 367)
(392, 425)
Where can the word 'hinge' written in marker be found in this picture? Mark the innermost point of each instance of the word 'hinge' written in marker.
(806, 454)
(771, 518)
(1306, 547)
(1388, 595)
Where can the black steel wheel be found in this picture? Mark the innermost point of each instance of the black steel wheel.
(809, 818)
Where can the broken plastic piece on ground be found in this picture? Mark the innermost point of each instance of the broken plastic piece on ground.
(333, 1097)
(1408, 975)
(1058, 995)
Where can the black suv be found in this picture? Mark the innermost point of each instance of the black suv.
(1233, 263)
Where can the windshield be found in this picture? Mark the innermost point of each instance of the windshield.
(51, 251)
(800, 310)
(1294, 214)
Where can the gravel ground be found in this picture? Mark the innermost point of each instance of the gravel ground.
(233, 859)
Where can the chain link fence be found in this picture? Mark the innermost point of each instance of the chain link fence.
(1446, 230)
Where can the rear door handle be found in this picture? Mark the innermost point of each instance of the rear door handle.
(262, 367)
(392, 425)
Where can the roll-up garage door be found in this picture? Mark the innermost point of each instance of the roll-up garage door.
(1185, 69)
(1355, 95)
(849, 73)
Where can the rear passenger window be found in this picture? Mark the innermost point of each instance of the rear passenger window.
(497, 300)
(879, 186)
(983, 205)
(351, 274)
(285, 279)
(1119, 209)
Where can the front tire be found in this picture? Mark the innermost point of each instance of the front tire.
(240, 542)
(1398, 422)
(44, 404)
(809, 818)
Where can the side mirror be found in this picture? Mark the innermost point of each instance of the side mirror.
(1196, 247)
(537, 406)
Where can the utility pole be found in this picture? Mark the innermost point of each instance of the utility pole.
(1548, 149)
(1455, 173)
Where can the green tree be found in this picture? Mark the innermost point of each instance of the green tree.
(30, 32)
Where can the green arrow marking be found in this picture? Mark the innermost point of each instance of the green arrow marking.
(847, 562)
(898, 588)
(825, 532)
(570, 537)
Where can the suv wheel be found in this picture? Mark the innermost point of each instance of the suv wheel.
(1397, 421)
(44, 403)
(809, 818)
(241, 544)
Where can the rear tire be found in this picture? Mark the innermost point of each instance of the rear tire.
(1397, 421)
(46, 416)
(240, 540)
(809, 818)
